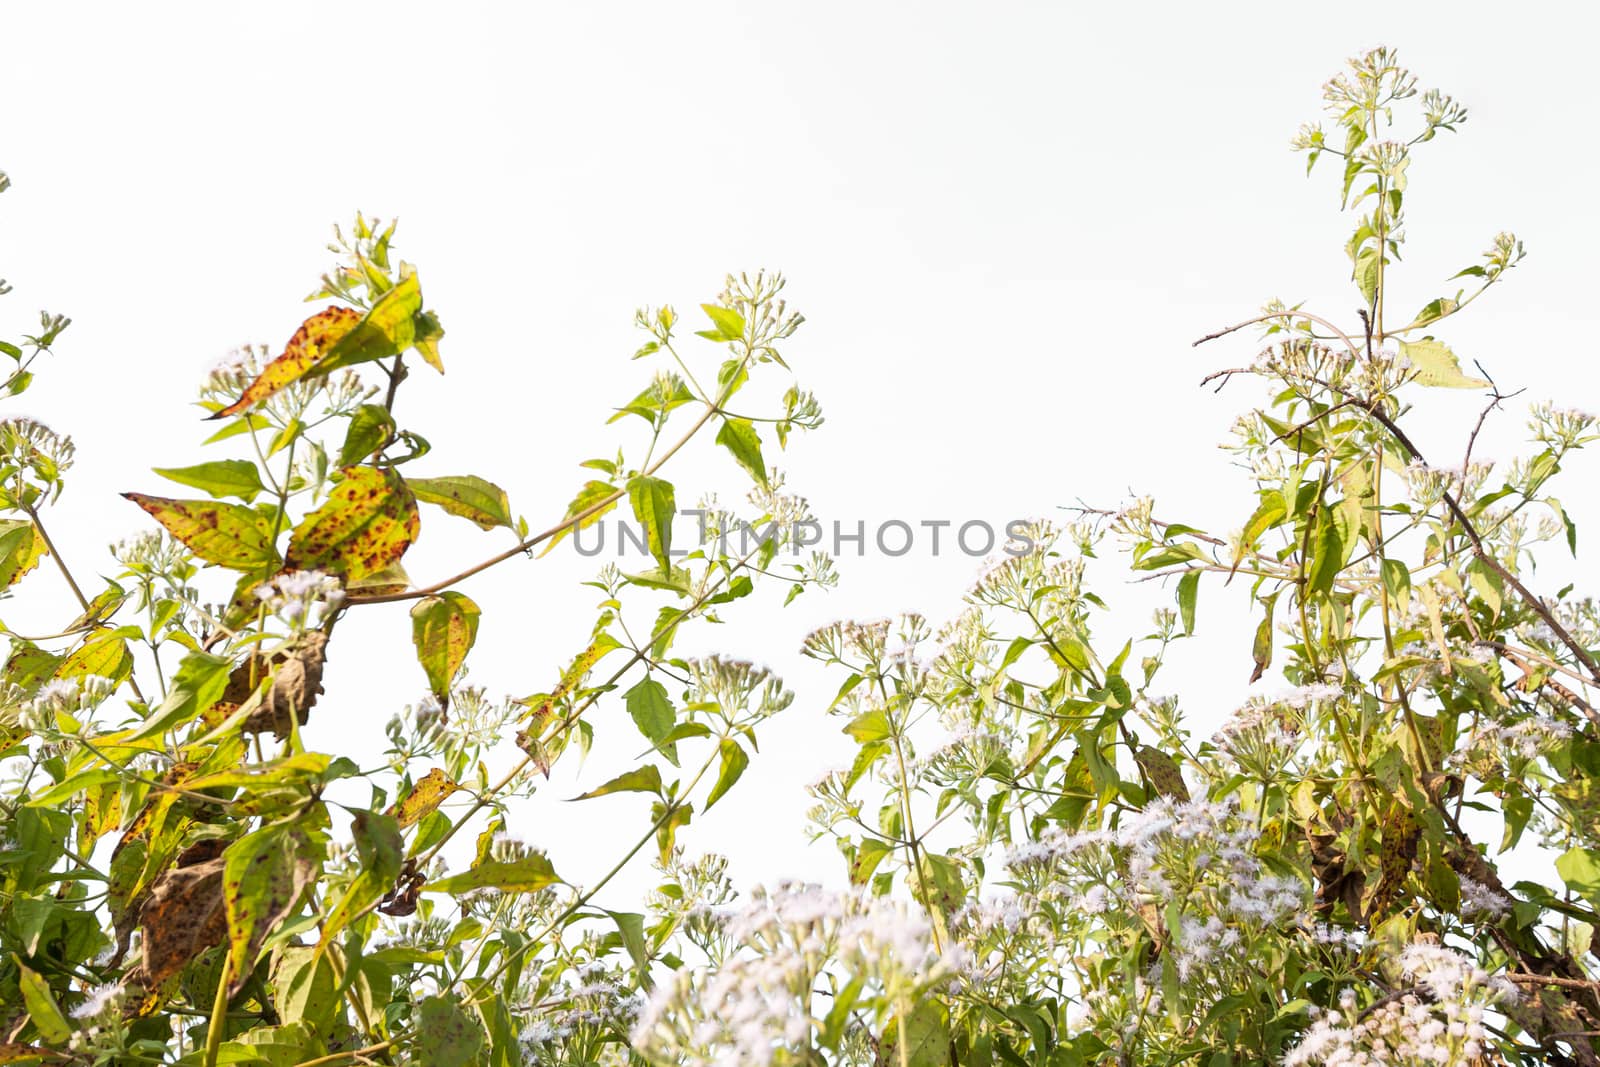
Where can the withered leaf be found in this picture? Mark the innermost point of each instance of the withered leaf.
(126, 887)
(402, 899)
(182, 917)
(311, 343)
(296, 684)
(365, 525)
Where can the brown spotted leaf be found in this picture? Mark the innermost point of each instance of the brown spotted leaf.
(182, 917)
(366, 524)
(542, 705)
(264, 875)
(105, 656)
(443, 628)
(1397, 850)
(1163, 772)
(424, 799)
(392, 579)
(395, 323)
(21, 548)
(228, 535)
(467, 495)
(311, 343)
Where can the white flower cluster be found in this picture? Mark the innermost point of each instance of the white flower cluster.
(1531, 738)
(757, 1005)
(302, 599)
(1437, 1018)
(1562, 427)
(1479, 900)
(737, 688)
(64, 696)
(1259, 739)
(1489, 748)
(597, 1004)
(1197, 854)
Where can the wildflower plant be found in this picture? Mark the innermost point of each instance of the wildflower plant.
(177, 881)
(1322, 879)
(1043, 858)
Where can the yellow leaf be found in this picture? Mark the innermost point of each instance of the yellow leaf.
(310, 344)
(225, 534)
(365, 526)
(424, 799)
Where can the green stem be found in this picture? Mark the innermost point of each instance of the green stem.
(219, 1012)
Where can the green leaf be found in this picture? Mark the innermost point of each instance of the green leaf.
(198, 684)
(389, 328)
(926, 1037)
(304, 988)
(41, 1005)
(446, 1036)
(630, 927)
(673, 579)
(371, 428)
(1261, 650)
(871, 852)
(220, 478)
(646, 779)
(668, 821)
(1434, 364)
(1487, 584)
(228, 535)
(378, 843)
(365, 525)
(734, 761)
(263, 877)
(739, 437)
(443, 628)
(654, 507)
(1397, 581)
(1435, 310)
(594, 495)
(1188, 590)
(650, 709)
(1580, 868)
(1270, 512)
(869, 726)
(106, 656)
(650, 404)
(727, 324)
(515, 876)
(267, 1046)
(466, 495)
(1327, 554)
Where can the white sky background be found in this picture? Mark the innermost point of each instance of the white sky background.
(1004, 222)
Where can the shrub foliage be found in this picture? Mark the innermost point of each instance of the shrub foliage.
(1044, 861)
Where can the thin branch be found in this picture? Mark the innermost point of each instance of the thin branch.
(569, 523)
(1269, 316)
(71, 581)
(1536, 603)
